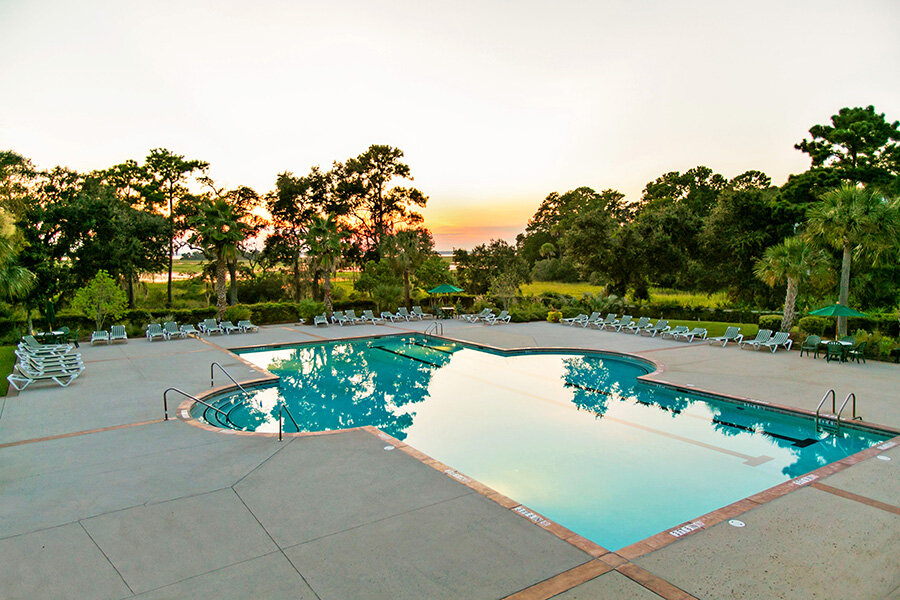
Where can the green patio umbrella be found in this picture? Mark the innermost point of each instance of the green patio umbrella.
(445, 288)
(836, 310)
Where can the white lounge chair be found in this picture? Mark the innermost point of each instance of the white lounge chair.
(417, 311)
(696, 332)
(228, 327)
(389, 316)
(23, 376)
(320, 320)
(674, 332)
(247, 326)
(782, 338)
(154, 330)
(30, 343)
(188, 329)
(117, 334)
(625, 321)
(473, 318)
(367, 315)
(171, 329)
(100, 337)
(732, 334)
(503, 317)
(634, 327)
(573, 320)
(352, 318)
(661, 326)
(403, 313)
(337, 317)
(210, 326)
(610, 319)
(762, 336)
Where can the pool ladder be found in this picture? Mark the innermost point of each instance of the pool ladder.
(437, 328)
(832, 422)
(281, 406)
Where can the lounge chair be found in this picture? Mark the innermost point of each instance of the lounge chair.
(782, 338)
(352, 318)
(338, 317)
(100, 337)
(417, 311)
(811, 344)
(403, 313)
(696, 332)
(634, 327)
(389, 316)
(154, 330)
(24, 375)
(247, 326)
(210, 326)
(117, 334)
(188, 329)
(732, 334)
(503, 317)
(171, 329)
(762, 336)
(367, 315)
(857, 353)
(593, 319)
(472, 318)
(320, 320)
(601, 323)
(661, 326)
(625, 321)
(43, 362)
(676, 331)
(33, 345)
(228, 327)
(572, 320)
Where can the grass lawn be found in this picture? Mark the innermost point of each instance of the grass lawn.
(686, 299)
(715, 329)
(7, 360)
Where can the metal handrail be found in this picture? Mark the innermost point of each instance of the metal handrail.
(281, 407)
(185, 394)
(221, 368)
(825, 397)
(437, 327)
(847, 399)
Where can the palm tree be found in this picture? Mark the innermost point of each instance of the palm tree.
(855, 220)
(407, 250)
(15, 281)
(325, 244)
(219, 229)
(793, 260)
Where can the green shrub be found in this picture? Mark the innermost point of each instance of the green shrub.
(308, 309)
(277, 312)
(814, 325)
(772, 322)
(238, 312)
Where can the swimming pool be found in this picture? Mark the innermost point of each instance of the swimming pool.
(574, 436)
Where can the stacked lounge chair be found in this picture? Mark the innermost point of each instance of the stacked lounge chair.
(40, 362)
(503, 317)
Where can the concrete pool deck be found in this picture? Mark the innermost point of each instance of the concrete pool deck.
(99, 498)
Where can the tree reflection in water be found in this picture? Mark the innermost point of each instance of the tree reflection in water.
(344, 385)
(592, 385)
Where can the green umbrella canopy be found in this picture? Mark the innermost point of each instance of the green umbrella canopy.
(837, 310)
(445, 289)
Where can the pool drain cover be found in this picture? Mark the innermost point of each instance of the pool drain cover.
(388, 448)
(883, 457)
(736, 523)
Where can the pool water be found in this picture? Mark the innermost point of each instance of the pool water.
(574, 436)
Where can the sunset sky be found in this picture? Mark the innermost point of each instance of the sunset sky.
(495, 104)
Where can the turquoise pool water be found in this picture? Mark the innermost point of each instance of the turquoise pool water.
(573, 436)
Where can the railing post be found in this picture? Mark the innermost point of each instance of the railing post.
(165, 406)
(280, 406)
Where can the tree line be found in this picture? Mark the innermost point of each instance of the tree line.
(695, 231)
(131, 218)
